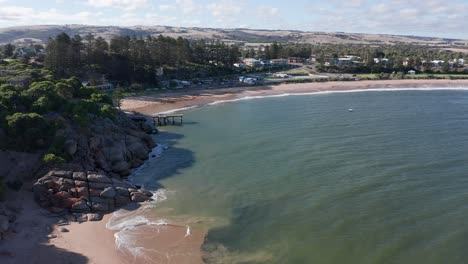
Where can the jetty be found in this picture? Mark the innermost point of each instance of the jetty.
(164, 120)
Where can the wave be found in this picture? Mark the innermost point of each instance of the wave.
(127, 223)
(177, 110)
(316, 92)
(339, 91)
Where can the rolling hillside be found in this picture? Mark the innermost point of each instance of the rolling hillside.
(40, 34)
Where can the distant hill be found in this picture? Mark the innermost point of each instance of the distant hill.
(41, 33)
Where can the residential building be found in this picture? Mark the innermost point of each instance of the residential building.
(250, 62)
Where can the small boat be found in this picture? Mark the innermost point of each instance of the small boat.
(350, 110)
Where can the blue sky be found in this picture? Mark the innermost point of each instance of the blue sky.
(440, 18)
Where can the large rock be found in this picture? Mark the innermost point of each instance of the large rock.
(80, 207)
(99, 186)
(83, 184)
(122, 191)
(121, 200)
(121, 166)
(139, 197)
(70, 147)
(95, 217)
(61, 174)
(99, 178)
(108, 192)
(82, 192)
(80, 176)
(4, 223)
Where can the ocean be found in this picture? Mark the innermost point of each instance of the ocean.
(303, 179)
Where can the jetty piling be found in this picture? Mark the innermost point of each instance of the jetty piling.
(164, 120)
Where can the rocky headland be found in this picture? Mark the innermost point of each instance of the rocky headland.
(91, 183)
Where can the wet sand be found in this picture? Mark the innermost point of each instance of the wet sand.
(150, 244)
(179, 99)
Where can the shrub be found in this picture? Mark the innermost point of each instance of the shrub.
(108, 111)
(64, 90)
(101, 98)
(28, 131)
(51, 159)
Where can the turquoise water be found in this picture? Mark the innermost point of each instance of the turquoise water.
(300, 179)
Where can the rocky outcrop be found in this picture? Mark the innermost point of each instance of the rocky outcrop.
(85, 192)
(112, 146)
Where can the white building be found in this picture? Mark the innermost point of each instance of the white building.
(252, 62)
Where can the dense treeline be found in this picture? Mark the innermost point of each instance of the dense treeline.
(137, 59)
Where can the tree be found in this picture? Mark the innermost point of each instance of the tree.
(8, 50)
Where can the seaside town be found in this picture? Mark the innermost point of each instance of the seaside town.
(265, 64)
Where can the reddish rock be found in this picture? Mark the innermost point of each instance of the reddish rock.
(81, 184)
(82, 192)
(80, 176)
(94, 193)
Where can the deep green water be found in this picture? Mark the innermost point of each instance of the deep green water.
(300, 179)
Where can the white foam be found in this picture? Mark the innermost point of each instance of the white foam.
(342, 91)
(128, 222)
(176, 110)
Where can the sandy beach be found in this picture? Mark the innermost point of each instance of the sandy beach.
(187, 98)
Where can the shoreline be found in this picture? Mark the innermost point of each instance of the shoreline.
(179, 100)
(102, 247)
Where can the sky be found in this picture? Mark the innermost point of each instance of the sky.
(435, 18)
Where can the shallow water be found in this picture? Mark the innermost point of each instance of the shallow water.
(303, 180)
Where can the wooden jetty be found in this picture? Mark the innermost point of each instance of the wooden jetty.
(164, 120)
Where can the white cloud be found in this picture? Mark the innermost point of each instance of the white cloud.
(167, 7)
(188, 6)
(128, 5)
(15, 15)
(267, 10)
(8, 13)
(226, 8)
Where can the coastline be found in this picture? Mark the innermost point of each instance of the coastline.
(186, 99)
(102, 248)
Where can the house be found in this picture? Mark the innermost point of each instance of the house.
(437, 63)
(250, 62)
(101, 84)
(405, 62)
(281, 75)
(296, 60)
(240, 65)
(313, 58)
(342, 61)
(411, 72)
(457, 61)
(279, 62)
(382, 61)
(25, 52)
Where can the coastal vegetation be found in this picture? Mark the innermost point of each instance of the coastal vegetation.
(36, 109)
